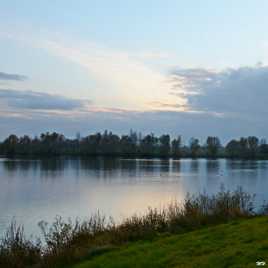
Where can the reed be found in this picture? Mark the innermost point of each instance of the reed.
(66, 242)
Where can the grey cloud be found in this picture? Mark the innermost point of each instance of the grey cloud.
(12, 77)
(38, 101)
(241, 92)
(158, 104)
(194, 73)
(158, 122)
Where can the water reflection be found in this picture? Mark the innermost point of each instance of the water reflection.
(32, 190)
(194, 165)
(213, 166)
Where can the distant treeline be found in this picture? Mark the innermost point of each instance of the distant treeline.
(133, 145)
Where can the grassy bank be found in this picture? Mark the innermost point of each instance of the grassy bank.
(67, 243)
(240, 243)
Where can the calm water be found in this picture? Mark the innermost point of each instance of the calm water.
(34, 190)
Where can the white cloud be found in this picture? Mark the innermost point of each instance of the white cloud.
(124, 79)
(134, 93)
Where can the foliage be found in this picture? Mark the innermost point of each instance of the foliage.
(17, 251)
(135, 145)
(68, 242)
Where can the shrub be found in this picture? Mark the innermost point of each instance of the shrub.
(16, 251)
(66, 242)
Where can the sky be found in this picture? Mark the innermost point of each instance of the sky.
(190, 68)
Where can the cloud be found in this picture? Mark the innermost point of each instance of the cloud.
(158, 105)
(235, 92)
(135, 93)
(18, 99)
(228, 103)
(125, 79)
(175, 123)
(12, 77)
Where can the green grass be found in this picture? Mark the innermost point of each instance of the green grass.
(236, 244)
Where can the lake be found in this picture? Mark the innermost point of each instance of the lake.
(34, 190)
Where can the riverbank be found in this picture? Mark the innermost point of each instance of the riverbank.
(68, 243)
(240, 243)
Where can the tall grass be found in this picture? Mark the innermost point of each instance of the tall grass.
(16, 250)
(67, 242)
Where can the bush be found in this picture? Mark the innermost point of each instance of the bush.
(16, 251)
(66, 242)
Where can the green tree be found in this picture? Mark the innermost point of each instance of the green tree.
(253, 143)
(194, 147)
(213, 145)
(233, 149)
(176, 147)
(164, 147)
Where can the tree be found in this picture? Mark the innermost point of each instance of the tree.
(263, 149)
(176, 147)
(233, 149)
(148, 145)
(10, 145)
(194, 147)
(132, 144)
(253, 143)
(213, 145)
(164, 148)
(127, 145)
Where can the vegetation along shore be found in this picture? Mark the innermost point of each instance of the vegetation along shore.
(203, 231)
(133, 145)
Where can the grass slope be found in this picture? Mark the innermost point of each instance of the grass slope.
(237, 244)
